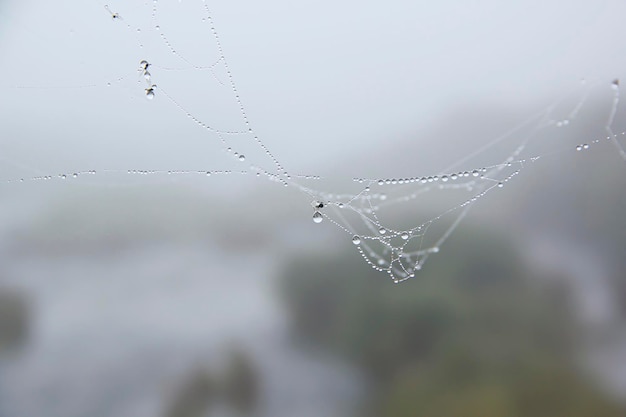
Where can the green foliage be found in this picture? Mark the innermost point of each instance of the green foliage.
(471, 335)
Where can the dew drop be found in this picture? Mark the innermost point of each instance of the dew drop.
(149, 93)
(144, 64)
(404, 236)
(317, 217)
(356, 240)
(475, 173)
(444, 178)
(500, 184)
(75, 175)
(579, 147)
(147, 75)
(382, 230)
(585, 146)
(242, 158)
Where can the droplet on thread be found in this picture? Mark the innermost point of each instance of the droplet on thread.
(356, 240)
(404, 236)
(317, 217)
(242, 158)
(382, 230)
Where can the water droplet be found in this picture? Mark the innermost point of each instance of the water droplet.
(500, 184)
(356, 240)
(147, 75)
(585, 146)
(242, 158)
(108, 84)
(579, 147)
(434, 249)
(75, 175)
(149, 93)
(404, 236)
(444, 178)
(475, 173)
(144, 64)
(615, 84)
(340, 205)
(317, 217)
(382, 230)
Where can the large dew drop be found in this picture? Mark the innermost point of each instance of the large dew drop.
(317, 217)
(356, 240)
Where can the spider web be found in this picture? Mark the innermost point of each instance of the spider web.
(172, 55)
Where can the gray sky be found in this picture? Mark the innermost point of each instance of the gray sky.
(319, 80)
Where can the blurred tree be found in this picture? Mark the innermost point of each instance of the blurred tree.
(14, 319)
(241, 383)
(202, 391)
(194, 396)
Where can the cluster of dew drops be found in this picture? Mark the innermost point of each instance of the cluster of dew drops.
(143, 68)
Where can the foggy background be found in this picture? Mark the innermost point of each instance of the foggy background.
(166, 295)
